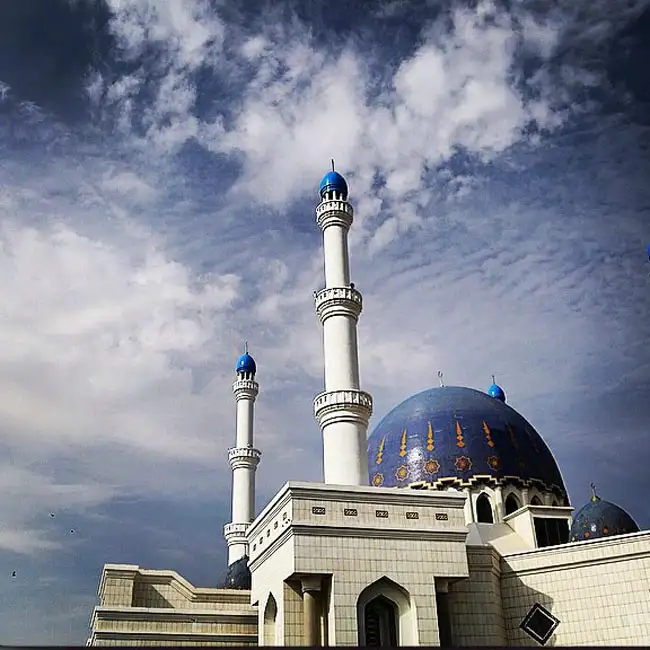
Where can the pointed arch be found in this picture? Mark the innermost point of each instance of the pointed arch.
(270, 620)
(536, 501)
(385, 615)
(484, 513)
(512, 503)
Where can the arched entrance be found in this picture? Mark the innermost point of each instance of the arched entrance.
(386, 616)
(380, 618)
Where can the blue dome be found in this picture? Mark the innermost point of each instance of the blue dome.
(497, 392)
(246, 363)
(238, 575)
(456, 434)
(333, 181)
(600, 518)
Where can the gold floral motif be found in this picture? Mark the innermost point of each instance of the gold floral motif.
(402, 449)
(380, 451)
(430, 443)
(431, 466)
(493, 462)
(378, 480)
(459, 436)
(401, 473)
(463, 463)
(488, 434)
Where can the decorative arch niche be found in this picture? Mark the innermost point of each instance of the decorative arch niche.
(536, 501)
(385, 615)
(484, 513)
(270, 631)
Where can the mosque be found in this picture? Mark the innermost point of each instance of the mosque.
(448, 525)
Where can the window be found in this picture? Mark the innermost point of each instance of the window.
(380, 622)
(551, 532)
(512, 504)
(484, 509)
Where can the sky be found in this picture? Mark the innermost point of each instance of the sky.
(159, 170)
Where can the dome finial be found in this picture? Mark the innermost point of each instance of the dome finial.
(245, 347)
(594, 496)
(333, 165)
(494, 381)
(440, 377)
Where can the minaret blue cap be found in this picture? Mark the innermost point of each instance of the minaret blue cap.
(334, 182)
(246, 363)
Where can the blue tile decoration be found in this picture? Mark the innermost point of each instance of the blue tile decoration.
(451, 435)
(599, 518)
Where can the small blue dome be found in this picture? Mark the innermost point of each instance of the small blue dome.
(238, 575)
(600, 518)
(451, 434)
(246, 363)
(334, 182)
(497, 392)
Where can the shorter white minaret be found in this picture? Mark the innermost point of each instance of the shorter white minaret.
(243, 459)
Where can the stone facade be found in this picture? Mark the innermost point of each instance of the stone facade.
(319, 553)
(144, 607)
(350, 543)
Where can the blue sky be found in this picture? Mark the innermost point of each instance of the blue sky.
(160, 165)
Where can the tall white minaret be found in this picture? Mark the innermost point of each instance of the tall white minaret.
(243, 458)
(342, 410)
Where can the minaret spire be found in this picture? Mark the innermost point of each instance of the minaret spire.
(243, 459)
(343, 410)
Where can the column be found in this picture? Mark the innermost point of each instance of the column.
(311, 588)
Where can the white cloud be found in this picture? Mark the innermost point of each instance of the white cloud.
(87, 338)
(457, 90)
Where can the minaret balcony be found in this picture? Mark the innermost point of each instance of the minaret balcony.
(245, 389)
(349, 405)
(235, 532)
(338, 301)
(246, 457)
(334, 213)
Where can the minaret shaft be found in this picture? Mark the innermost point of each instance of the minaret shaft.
(243, 495)
(245, 410)
(337, 259)
(341, 353)
(343, 410)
